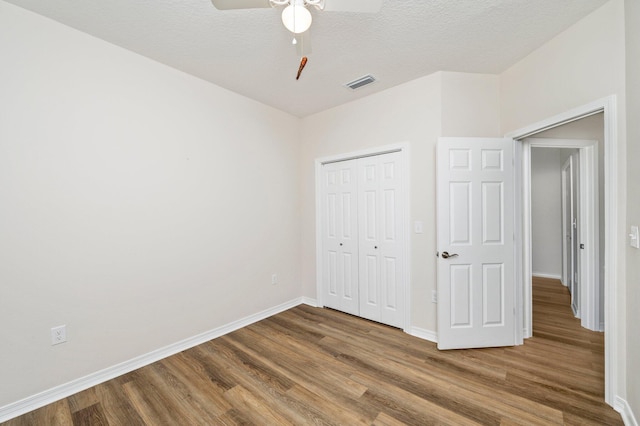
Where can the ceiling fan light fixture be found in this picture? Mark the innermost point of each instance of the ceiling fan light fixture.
(296, 18)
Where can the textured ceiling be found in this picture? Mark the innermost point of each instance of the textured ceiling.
(250, 52)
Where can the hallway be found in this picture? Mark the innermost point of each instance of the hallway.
(575, 354)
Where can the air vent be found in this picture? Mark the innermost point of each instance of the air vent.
(362, 81)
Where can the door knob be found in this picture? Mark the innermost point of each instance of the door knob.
(446, 255)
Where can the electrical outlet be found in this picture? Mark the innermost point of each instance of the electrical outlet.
(434, 296)
(274, 279)
(58, 335)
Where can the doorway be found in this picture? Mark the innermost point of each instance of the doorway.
(582, 239)
(606, 106)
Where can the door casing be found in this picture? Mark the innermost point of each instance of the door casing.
(607, 105)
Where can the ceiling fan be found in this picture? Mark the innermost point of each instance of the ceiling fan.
(296, 16)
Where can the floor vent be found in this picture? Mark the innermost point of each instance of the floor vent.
(362, 81)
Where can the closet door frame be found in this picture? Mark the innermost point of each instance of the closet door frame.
(404, 202)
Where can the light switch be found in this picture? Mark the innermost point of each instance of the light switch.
(417, 227)
(634, 238)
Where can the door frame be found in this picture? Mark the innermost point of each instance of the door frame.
(404, 202)
(588, 227)
(568, 218)
(523, 236)
(567, 213)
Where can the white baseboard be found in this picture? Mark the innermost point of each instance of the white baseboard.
(623, 407)
(543, 275)
(49, 396)
(309, 301)
(429, 335)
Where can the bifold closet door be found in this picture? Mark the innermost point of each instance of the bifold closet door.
(379, 226)
(362, 272)
(340, 236)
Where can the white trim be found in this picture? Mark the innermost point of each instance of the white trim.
(524, 245)
(404, 149)
(309, 301)
(622, 406)
(543, 275)
(54, 394)
(567, 185)
(608, 106)
(563, 118)
(406, 250)
(424, 334)
(318, 188)
(520, 250)
(588, 216)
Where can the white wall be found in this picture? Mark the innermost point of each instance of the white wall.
(470, 105)
(138, 205)
(546, 211)
(583, 64)
(633, 211)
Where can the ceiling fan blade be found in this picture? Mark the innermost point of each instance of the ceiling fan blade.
(303, 43)
(240, 4)
(363, 6)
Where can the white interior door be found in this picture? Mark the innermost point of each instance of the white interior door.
(576, 278)
(569, 227)
(340, 236)
(475, 214)
(567, 207)
(380, 230)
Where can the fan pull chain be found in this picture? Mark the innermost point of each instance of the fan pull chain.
(303, 62)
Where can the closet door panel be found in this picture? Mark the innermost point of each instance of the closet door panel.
(379, 187)
(369, 226)
(340, 236)
(390, 244)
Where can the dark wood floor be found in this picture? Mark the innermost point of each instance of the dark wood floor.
(318, 366)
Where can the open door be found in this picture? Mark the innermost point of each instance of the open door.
(569, 233)
(476, 260)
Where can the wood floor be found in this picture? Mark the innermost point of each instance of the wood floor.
(318, 366)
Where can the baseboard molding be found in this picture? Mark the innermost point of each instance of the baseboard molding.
(623, 407)
(49, 396)
(429, 335)
(543, 275)
(309, 301)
